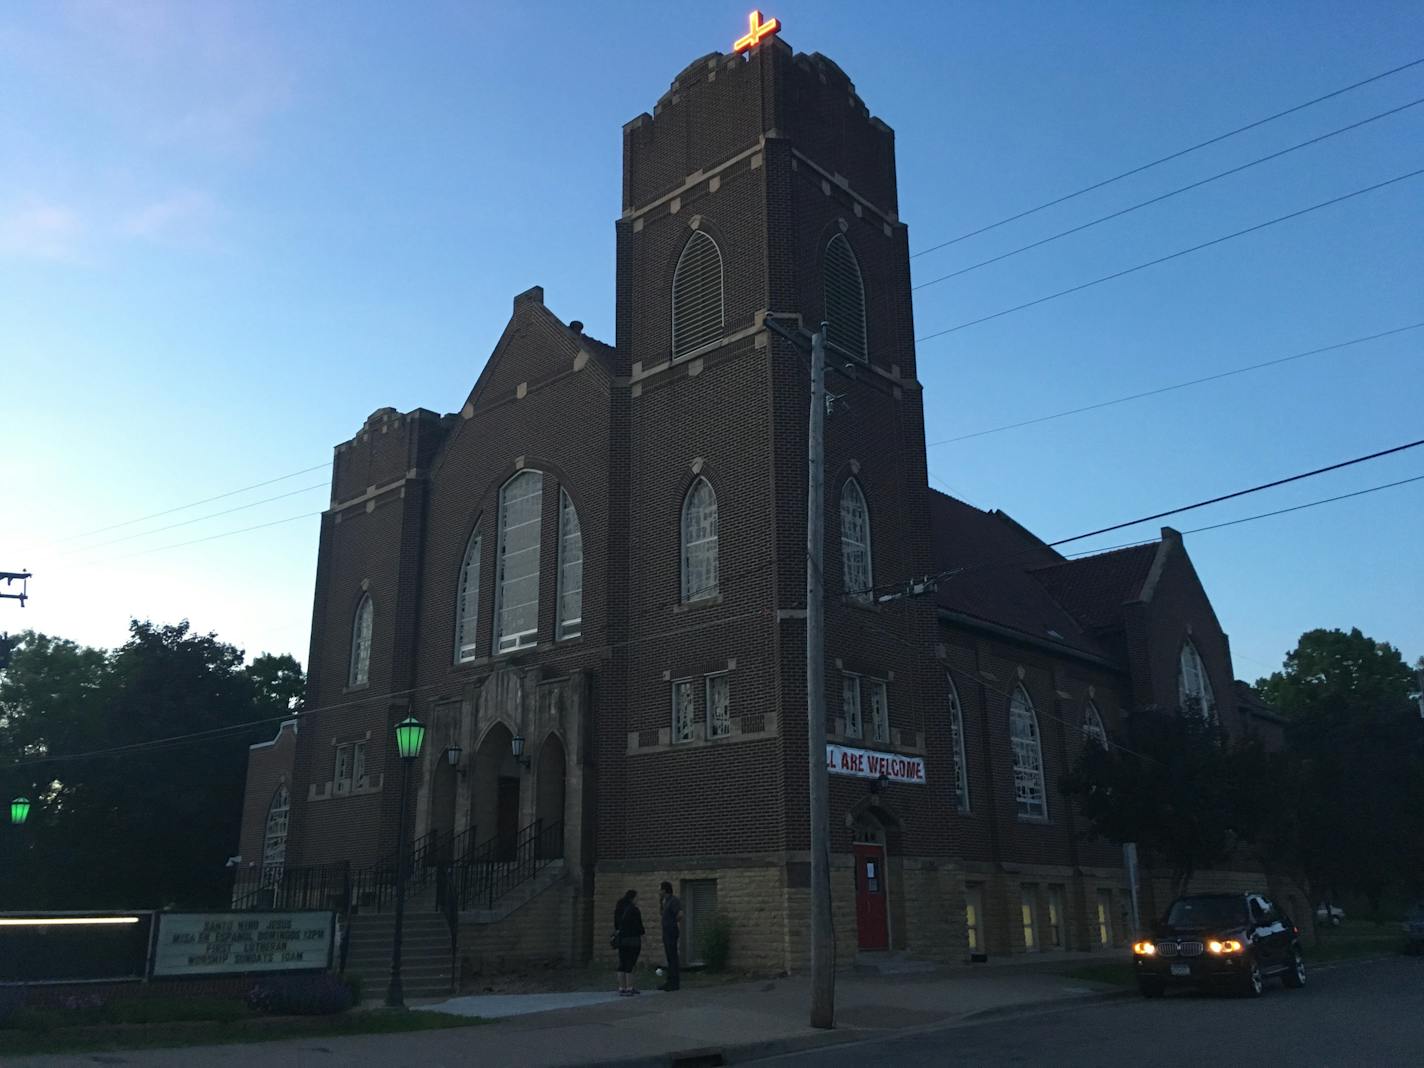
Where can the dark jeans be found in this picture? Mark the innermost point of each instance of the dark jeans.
(670, 940)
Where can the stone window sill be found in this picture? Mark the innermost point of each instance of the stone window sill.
(701, 602)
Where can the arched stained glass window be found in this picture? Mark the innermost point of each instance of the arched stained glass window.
(699, 542)
(467, 602)
(360, 670)
(1193, 684)
(274, 838)
(1093, 729)
(570, 569)
(856, 568)
(1029, 794)
(516, 612)
(961, 765)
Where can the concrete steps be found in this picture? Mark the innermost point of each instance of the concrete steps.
(518, 897)
(890, 963)
(426, 964)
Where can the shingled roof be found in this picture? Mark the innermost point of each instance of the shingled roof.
(992, 559)
(1094, 588)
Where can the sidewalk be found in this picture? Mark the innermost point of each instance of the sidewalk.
(740, 1021)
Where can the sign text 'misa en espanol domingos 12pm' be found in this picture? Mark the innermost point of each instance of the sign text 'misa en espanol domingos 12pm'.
(216, 943)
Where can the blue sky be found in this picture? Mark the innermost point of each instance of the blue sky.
(228, 232)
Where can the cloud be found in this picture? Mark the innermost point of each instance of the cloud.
(42, 230)
(183, 216)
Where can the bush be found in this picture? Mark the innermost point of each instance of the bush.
(300, 995)
(714, 942)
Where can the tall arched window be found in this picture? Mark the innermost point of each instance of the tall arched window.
(1093, 729)
(697, 312)
(699, 542)
(570, 569)
(516, 610)
(845, 298)
(274, 838)
(856, 569)
(360, 672)
(1029, 794)
(961, 765)
(1193, 685)
(467, 602)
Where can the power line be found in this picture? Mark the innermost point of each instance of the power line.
(1038, 549)
(1165, 159)
(1240, 493)
(193, 504)
(1176, 386)
(199, 519)
(1309, 504)
(1172, 256)
(210, 537)
(1165, 196)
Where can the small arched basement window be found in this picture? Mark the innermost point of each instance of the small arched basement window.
(697, 303)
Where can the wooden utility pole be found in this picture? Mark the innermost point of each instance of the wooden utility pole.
(823, 947)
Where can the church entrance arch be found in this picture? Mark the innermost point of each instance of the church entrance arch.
(496, 792)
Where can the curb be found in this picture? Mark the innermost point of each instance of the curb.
(736, 1054)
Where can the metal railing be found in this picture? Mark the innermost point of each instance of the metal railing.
(322, 886)
(498, 865)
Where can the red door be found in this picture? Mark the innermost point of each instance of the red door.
(870, 920)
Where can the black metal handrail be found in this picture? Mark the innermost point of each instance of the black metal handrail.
(501, 863)
(321, 886)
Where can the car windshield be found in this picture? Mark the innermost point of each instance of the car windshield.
(1203, 912)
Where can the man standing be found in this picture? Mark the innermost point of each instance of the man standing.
(672, 917)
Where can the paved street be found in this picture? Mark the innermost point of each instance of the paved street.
(1357, 1014)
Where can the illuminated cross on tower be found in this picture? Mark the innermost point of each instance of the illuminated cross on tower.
(756, 30)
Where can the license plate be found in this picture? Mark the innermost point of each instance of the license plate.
(1181, 969)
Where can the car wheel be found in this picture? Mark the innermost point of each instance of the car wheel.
(1150, 988)
(1295, 975)
(1253, 983)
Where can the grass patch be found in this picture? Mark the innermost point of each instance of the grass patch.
(1117, 973)
(1355, 938)
(18, 1038)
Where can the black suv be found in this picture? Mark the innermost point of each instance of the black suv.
(1229, 940)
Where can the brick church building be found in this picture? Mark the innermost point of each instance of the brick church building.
(589, 583)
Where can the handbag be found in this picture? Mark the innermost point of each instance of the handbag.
(615, 940)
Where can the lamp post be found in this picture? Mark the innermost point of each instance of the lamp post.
(19, 810)
(410, 733)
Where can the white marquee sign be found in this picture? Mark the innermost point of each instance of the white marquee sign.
(215, 943)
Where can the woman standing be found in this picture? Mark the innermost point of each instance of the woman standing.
(628, 933)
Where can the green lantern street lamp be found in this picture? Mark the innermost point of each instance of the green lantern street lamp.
(19, 810)
(410, 735)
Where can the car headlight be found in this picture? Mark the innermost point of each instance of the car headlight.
(1226, 945)
(1144, 949)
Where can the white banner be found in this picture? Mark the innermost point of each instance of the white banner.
(870, 764)
(218, 943)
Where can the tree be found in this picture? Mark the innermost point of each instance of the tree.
(124, 818)
(1180, 789)
(1354, 763)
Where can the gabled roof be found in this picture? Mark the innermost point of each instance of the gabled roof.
(991, 558)
(1094, 588)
